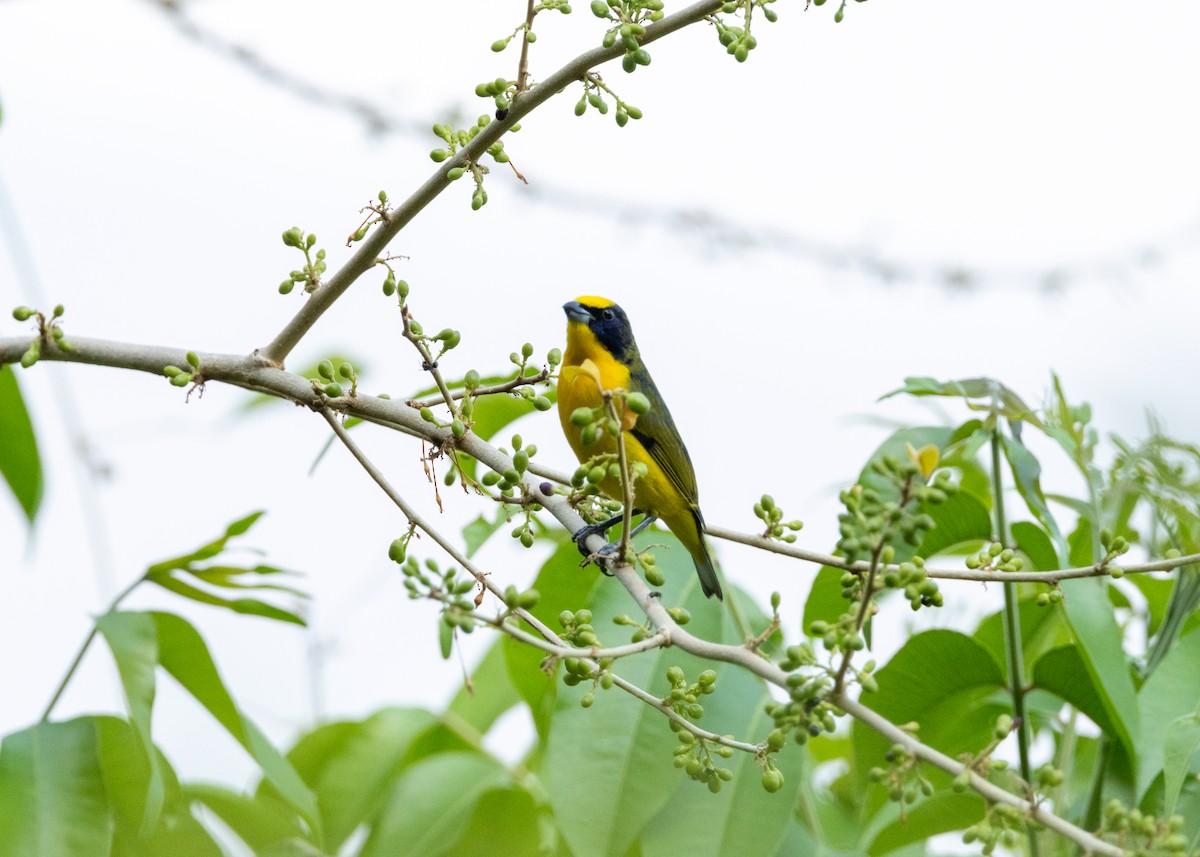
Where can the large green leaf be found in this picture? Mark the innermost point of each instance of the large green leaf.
(133, 639)
(1080, 545)
(1157, 593)
(424, 814)
(1179, 746)
(507, 822)
(1062, 672)
(1171, 692)
(607, 768)
(52, 801)
(961, 519)
(825, 602)
(743, 819)
(942, 680)
(489, 694)
(1100, 645)
(1036, 544)
(20, 463)
(1042, 629)
(352, 766)
(258, 820)
(942, 812)
(481, 529)
(183, 654)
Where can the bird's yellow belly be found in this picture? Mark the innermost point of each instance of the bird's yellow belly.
(577, 389)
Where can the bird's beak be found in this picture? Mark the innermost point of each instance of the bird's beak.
(577, 312)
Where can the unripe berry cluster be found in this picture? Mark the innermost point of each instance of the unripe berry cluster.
(314, 266)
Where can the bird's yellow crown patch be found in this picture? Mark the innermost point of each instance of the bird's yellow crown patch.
(594, 302)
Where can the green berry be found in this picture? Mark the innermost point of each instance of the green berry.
(638, 403)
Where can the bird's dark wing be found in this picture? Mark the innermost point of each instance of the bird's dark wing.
(655, 430)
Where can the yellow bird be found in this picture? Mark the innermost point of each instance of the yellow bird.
(601, 353)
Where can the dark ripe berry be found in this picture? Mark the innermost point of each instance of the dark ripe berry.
(502, 114)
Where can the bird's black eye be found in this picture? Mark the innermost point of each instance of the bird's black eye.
(609, 315)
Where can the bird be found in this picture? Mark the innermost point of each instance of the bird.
(602, 354)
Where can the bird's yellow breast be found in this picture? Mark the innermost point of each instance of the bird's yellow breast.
(583, 375)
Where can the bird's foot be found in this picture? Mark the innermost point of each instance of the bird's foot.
(584, 533)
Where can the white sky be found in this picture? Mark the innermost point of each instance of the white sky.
(152, 178)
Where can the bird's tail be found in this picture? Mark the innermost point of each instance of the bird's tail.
(706, 569)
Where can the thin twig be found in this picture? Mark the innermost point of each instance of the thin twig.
(657, 641)
(427, 362)
(866, 600)
(506, 387)
(1050, 577)
(523, 65)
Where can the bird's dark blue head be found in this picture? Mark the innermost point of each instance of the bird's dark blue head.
(607, 322)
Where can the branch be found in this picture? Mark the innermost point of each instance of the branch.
(254, 374)
(1091, 844)
(554, 644)
(506, 387)
(373, 246)
(1050, 577)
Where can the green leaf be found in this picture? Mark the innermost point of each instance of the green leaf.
(941, 679)
(1062, 672)
(825, 601)
(1035, 543)
(742, 819)
(446, 787)
(20, 463)
(125, 768)
(507, 822)
(941, 812)
(1081, 545)
(351, 766)
(246, 606)
(259, 821)
(1157, 593)
(960, 519)
(1008, 403)
(480, 530)
(1169, 693)
(972, 388)
(242, 526)
(1180, 744)
(52, 801)
(493, 413)
(489, 694)
(183, 654)
(1027, 473)
(1100, 646)
(1042, 629)
(237, 528)
(620, 748)
(133, 639)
